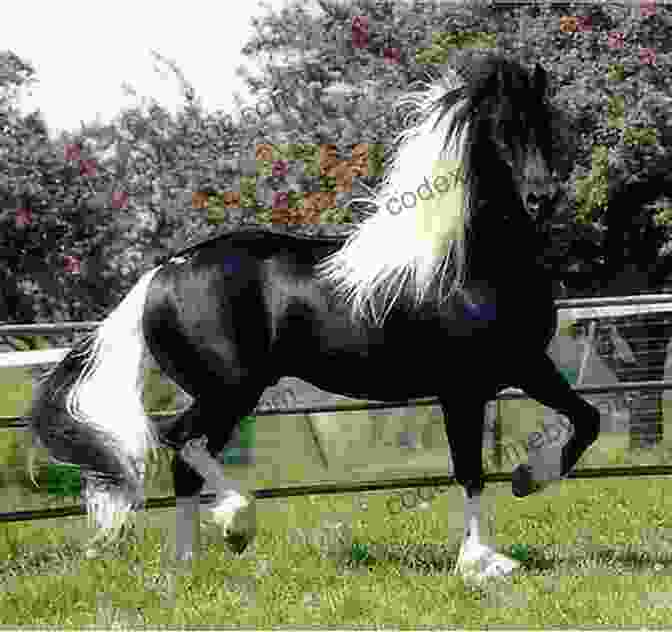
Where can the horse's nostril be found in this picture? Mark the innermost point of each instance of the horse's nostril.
(539, 200)
(538, 205)
(534, 202)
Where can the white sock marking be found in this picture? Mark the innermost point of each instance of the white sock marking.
(187, 527)
(477, 561)
(232, 511)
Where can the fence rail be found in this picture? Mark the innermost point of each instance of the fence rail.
(574, 310)
(348, 488)
(16, 423)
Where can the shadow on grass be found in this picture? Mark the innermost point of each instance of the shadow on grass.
(608, 558)
(429, 559)
(425, 559)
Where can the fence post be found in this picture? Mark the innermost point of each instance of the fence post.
(497, 432)
(493, 423)
(240, 448)
(623, 307)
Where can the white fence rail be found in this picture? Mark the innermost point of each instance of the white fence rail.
(31, 359)
(569, 311)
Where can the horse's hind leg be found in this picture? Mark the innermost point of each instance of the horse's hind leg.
(188, 485)
(231, 510)
(198, 436)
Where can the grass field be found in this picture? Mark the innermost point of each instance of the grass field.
(600, 554)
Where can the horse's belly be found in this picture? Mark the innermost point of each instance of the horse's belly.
(395, 372)
(416, 355)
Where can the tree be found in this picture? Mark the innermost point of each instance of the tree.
(150, 181)
(613, 117)
(82, 212)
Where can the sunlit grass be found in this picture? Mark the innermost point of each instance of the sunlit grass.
(600, 554)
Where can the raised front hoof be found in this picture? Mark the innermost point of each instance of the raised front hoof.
(478, 563)
(523, 483)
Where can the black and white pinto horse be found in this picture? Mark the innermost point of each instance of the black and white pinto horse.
(443, 295)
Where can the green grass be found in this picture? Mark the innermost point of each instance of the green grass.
(601, 554)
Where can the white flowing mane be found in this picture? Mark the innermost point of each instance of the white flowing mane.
(390, 252)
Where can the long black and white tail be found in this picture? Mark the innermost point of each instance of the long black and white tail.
(89, 412)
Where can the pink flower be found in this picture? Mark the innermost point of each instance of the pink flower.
(72, 152)
(280, 168)
(119, 199)
(647, 56)
(360, 23)
(616, 39)
(647, 8)
(360, 40)
(24, 217)
(584, 23)
(87, 167)
(71, 264)
(392, 55)
(360, 31)
(280, 200)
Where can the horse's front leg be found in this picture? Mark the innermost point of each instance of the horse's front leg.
(553, 458)
(464, 420)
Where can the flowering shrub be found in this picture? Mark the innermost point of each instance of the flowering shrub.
(79, 215)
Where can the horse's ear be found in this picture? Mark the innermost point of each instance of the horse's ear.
(540, 80)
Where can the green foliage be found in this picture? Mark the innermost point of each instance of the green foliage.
(295, 199)
(647, 136)
(248, 191)
(336, 216)
(63, 480)
(327, 183)
(216, 211)
(663, 214)
(78, 201)
(443, 43)
(282, 151)
(376, 159)
(264, 215)
(264, 168)
(616, 112)
(330, 92)
(592, 191)
(309, 155)
(616, 73)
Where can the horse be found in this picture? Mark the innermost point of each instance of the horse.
(440, 291)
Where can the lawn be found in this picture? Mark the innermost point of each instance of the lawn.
(600, 553)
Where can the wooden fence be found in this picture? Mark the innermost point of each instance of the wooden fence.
(569, 311)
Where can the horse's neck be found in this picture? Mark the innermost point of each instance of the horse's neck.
(502, 250)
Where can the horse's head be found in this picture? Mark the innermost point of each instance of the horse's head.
(484, 144)
(512, 139)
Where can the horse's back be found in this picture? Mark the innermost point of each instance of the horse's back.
(223, 303)
(262, 242)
